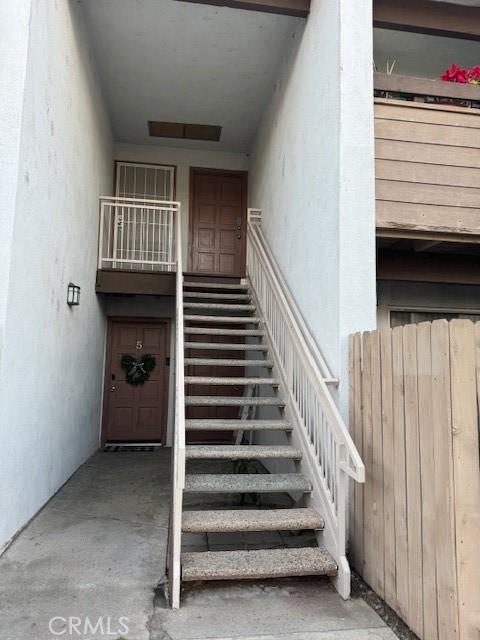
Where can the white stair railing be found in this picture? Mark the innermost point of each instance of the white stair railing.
(178, 448)
(329, 454)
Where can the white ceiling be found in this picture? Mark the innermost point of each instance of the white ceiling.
(180, 62)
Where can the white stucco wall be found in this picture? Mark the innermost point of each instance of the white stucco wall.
(357, 258)
(51, 376)
(311, 173)
(183, 159)
(14, 22)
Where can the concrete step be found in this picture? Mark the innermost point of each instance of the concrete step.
(222, 346)
(225, 362)
(241, 452)
(229, 520)
(223, 319)
(230, 381)
(258, 564)
(232, 401)
(216, 296)
(214, 285)
(224, 332)
(218, 306)
(233, 425)
(246, 483)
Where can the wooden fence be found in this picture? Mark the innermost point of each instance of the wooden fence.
(415, 524)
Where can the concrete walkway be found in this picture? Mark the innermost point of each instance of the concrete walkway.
(87, 566)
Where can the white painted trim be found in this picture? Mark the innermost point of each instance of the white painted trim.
(178, 458)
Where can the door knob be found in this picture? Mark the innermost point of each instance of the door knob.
(112, 388)
(239, 237)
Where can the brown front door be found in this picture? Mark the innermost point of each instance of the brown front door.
(218, 222)
(136, 413)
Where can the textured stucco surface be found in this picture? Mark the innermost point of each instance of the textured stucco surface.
(181, 62)
(312, 173)
(52, 359)
(14, 26)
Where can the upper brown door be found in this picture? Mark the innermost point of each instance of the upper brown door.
(218, 222)
(136, 413)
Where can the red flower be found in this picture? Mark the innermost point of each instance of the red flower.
(455, 74)
(473, 75)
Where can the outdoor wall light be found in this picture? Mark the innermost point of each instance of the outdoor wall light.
(73, 295)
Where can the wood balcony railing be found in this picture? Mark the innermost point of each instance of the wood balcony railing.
(427, 153)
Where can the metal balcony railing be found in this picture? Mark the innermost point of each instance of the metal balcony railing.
(137, 234)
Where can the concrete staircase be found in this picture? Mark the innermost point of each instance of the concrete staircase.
(227, 311)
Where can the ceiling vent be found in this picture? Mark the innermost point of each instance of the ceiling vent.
(184, 131)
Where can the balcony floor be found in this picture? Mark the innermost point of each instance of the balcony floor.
(135, 282)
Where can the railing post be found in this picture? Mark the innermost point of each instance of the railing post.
(100, 234)
(115, 235)
(178, 459)
(343, 577)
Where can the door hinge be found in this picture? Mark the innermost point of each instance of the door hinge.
(167, 362)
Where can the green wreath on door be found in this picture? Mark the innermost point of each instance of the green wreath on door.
(138, 369)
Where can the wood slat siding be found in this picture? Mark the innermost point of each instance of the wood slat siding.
(427, 167)
(415, 524)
